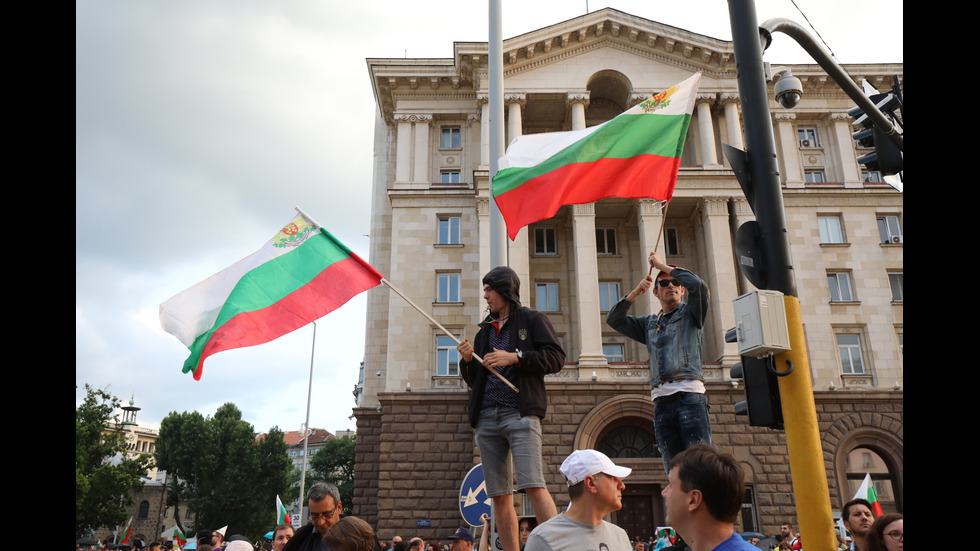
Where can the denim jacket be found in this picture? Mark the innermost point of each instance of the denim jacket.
(675, 351)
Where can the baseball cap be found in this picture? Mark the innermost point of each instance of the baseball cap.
(583, 463)
(462, 534)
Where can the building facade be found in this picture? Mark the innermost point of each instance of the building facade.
(430, 236)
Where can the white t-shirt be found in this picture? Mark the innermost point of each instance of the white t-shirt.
(561, 533)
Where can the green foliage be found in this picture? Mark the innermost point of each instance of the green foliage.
(222, 473)
(334, 463)
(104, 475)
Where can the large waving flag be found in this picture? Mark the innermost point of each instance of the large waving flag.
(635, 155)
(300, 275)
(867, 491)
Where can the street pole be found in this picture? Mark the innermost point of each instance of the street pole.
(808, 473)
(495, 78)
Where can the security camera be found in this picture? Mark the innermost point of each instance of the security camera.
(789, 89)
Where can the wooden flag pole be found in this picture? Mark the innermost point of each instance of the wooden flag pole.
(448, 334)
(663, 222)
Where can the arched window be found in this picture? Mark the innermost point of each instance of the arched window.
(144, 509)
(628, 437)
(863, 461)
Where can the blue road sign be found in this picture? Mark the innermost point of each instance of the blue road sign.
(473, 500)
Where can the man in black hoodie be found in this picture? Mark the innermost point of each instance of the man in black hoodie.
(519, 343)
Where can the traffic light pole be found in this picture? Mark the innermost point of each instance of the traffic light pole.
(809, 476)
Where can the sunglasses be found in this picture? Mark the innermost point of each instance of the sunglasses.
(667, 282)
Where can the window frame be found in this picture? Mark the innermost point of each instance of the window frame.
(612, 357)
(834, 280)
(541, 238)
(609, 298)
(815, 176)
(452, 285)
(604, 234)
(550, 292)
(899, 278)
(850, 347)
(446, 350)
(825, 237)
(804, 133)
(672, 242)
(446, 177)
(455, 134)
(886, 231)
(452, 235)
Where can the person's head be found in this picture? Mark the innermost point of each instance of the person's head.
(887, 533)
(416, 544)
(670, 295)
(524, 527)
(592, 475)
(703, 481)
(857, 517)
(325, 506)
(786, 529)
(238, 542)
(461, 540)
(502, 290)
(349, 534)
(282, 534)
(209, 537)
(155, 546)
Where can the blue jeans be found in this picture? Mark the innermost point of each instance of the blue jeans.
(680, 420)
(505, 438)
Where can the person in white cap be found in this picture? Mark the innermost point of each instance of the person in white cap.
(595, 486)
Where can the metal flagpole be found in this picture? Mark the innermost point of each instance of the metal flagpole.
(306, 426)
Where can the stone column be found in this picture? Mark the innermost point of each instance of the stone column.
(420, 174)
(743, 214)
(515, 125)
(578, 101)
(846, 155)
(789, 149)
(733, 124)
(720, 275)
(650, 217)
(403, 154)
(591, 357)
(483, 101)
(709, 155)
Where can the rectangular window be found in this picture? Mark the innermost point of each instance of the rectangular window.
(448, 230)
(613, 352)
(672, 245)
(831, 229)
(547, 297)
(608, 295)
(840, 287)
(449, 177)
(447, 357)
(448, 288)
(889, 229)
(544, 241)
(871, 177)
(808, 137)
(897, 283)
(450, 138)
(605, 240)
(750, 523)
(814, 177)
(849, 348)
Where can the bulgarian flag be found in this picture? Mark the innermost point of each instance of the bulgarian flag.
(635, 155)
(867, 491)
(174, 533)
(127, 531)
(300, 275)
(282, 517)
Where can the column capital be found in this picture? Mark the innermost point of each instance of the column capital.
(784, 116)
(585, 209)
(482, 98)
(515, 97)
(650, 207)
(714, 206)
(708, 97)
(577, 97)
(413, 117)
(840, 117)
(729, 97)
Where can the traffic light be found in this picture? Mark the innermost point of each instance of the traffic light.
(762, 402)
(887, 158)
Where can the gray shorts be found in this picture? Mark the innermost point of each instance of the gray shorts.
(504, 437)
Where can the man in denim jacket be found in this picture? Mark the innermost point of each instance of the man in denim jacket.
(673, 338)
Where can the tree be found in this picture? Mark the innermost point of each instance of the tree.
(105, 476)
(334, 463)
(222, 473)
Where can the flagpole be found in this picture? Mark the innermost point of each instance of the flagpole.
(663, 222)
(306, 427)
(448, 334)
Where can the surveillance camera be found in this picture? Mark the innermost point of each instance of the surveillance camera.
(379, 373)
(789, 90)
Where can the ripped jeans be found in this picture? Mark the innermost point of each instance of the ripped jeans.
(680, 420)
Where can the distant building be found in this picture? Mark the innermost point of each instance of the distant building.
(430, 234)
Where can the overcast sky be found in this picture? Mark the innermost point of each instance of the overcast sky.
(199, 125)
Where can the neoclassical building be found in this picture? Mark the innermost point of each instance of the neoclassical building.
(430, 237)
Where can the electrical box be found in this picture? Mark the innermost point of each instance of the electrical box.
(760, 323)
